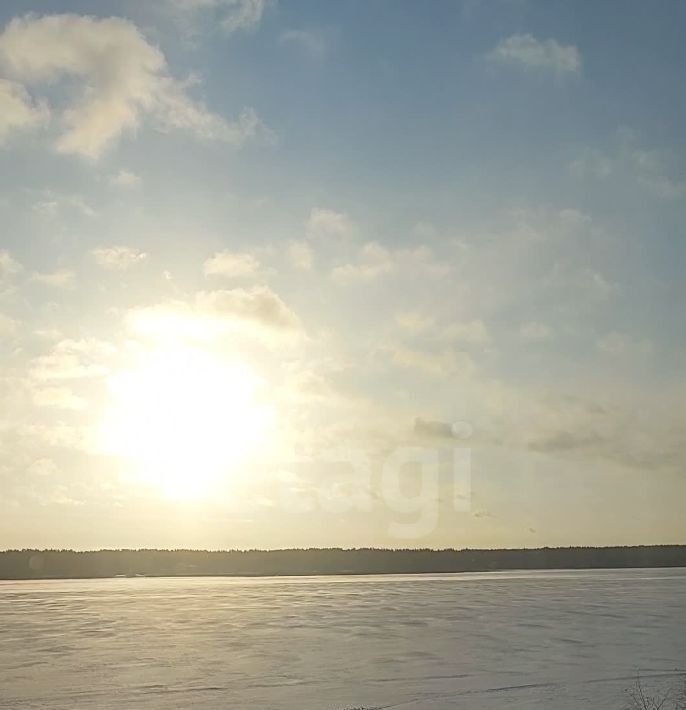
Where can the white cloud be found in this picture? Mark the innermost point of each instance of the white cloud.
(375, 261)
(650, 168)
(255, 312)
(241, 14)
(118, 257)
(312, 42)
(324, 222)
(58, 279)
(526, 51)
(231, 264)
(232, 15)
(178, 111)
(52, 203)
(124, 78)
(300, 255)
(258, 304)
(17, 110)
(126, 179)
(534, 330)
(72, 359)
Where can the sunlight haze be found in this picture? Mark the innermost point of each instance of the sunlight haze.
(309, 274)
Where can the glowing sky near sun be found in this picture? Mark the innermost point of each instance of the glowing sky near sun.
(243, 241)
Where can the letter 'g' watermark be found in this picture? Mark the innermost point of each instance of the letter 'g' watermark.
(414, 485)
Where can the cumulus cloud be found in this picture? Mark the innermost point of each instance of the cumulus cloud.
(258, 304)
(118, 257)
(256, 311)
(18, 111)
(324, 222)
(529, 53)
(125, 179)
(124, 78)
(375, 260)
(231, 264)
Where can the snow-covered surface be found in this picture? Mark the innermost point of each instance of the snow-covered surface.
(554, 640)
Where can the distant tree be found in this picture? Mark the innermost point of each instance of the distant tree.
(671, 699)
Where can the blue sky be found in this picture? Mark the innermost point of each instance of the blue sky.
(325, 225)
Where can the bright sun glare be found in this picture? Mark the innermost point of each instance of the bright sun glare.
(185, 419)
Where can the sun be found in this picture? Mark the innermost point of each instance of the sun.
(184, 419)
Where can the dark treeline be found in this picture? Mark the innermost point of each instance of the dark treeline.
(41, 564)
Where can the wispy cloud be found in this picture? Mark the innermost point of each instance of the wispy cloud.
(313, 42)
(652, 169)
(72, 360)
(619, 345)
(230, 16)
(529, 53)
(118, 257)
(18, 111)
(51, 203)
(437, 364)
(126, 179)
(58, 279)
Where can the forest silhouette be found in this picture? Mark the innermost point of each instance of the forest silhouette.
(63, 564)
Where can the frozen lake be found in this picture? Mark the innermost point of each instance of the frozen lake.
(529, 640)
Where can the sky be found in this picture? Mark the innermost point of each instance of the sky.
(374, 273)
